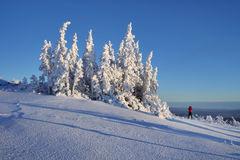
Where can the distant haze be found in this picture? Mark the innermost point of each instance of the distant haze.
(207, 105)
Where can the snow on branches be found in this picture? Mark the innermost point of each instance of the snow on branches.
(124, 80)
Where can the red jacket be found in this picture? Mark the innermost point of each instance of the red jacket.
(190, 109)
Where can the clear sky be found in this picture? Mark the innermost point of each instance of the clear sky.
(196, 43)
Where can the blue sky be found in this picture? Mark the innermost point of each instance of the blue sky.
(196, 44)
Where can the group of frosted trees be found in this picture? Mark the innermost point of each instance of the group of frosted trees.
(122, 80)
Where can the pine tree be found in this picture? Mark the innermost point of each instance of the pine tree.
(154, 82)
(129, 90)
(139, 65)
(24, 81)
(73, 53)
(45, 58)
(107, 71)
(34, 84)
(147, 76)
(120, 55)
(75, 66)
(24, 84)
(151, 100)
(61, 66)
(129, 61)
(89, 65)
(138, 70)
(125, 80)
(46, 66)
(77, 85)
(111, 55)
(42, 87)
(96, 90)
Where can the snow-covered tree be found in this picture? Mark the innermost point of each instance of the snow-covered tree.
(139, 65)
(24, 84)
(120, 55)
(73, 53)
(61, 66)
(147, 77)
(77, 85)
(235, 122)
(138, 70)
(46, 66)
(129, 77)
(111, 54)
(220, 120)
(125, 80)
(96, 90)
(107, 71)
(130, 72)
(129, 61)
(209, 119)
(42, 86)
(154, 82)
(75, 66)
(89, 65)
(45, 58)
(34, 84)
(151, 100)
(24, 81)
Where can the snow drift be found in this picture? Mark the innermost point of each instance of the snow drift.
(49, 127)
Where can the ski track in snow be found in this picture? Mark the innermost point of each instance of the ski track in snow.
(47, 127)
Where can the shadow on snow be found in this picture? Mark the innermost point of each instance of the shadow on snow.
(131, 139)
(143, 124)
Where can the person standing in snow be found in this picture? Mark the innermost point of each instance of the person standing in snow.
(190, 112)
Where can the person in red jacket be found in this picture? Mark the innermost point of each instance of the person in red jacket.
(190, 112)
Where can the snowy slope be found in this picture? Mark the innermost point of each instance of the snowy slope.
(47, 127)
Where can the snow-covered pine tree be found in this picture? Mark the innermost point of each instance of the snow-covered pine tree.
(24, 84)
(139, 65)
(96, 90)
(129, 61)
(107, 72)
(127, 65)
(152, 97)
(117, 81)
(118, 89)
(105, 81)
(24, 81)
(75, 67)
(120, 55)
(138, 90)
(45, 58)
(147, 77)
(78, 84)
(154, 81)
(46, 65)
(34, 84)
(124, 80)
(89, 65)
(151, 100)
(61, 66)
(42, 86)
(111, 55)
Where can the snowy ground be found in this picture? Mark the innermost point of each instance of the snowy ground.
(47, 127)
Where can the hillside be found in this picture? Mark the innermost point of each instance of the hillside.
(47, 127)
